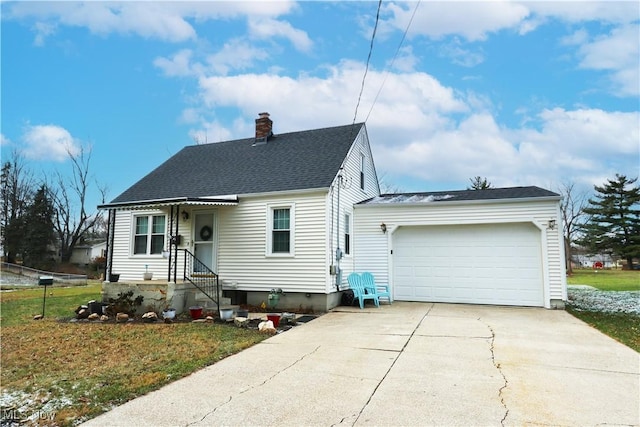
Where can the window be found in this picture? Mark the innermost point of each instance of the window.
(149, 234)
(347, 234)
(362, 171)
(280, 233)
(281, 240)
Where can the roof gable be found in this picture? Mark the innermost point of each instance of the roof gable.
(287, 162)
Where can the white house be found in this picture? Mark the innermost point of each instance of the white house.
(297, 212)
(83, 254)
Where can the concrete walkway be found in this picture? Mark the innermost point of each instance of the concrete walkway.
(409, 364)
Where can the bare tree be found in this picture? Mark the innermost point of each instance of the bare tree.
(573, 217)
(386, 187)
(17, 190)
(72, 219)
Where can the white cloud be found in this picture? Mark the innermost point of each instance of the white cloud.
(471, 20)
(406, 61)
(460, 55)
(4, 140)
(235, 55)
(261, 28)
(422, 130)
(617, 52)
(308, 101)
(49, 142)
(178, 65)
(167, 21)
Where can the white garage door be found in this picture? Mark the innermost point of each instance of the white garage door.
(479, 264)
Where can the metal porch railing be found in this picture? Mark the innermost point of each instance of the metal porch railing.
(202, 277)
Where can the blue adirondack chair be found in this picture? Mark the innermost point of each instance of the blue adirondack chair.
(359, 293)
(371, 287)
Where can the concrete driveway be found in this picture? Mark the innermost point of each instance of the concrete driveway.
(409, 364)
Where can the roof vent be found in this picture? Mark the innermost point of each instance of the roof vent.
(264, 128)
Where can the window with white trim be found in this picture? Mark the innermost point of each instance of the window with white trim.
(362, 166)
(347, 234)
(149, 234)
(280, 239)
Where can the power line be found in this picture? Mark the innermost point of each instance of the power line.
(392, 61)
(373, 36)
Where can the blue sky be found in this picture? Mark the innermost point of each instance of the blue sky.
(522, 93)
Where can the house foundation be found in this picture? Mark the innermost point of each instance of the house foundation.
(159, 295)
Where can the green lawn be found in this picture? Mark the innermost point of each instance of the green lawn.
(607, 280)
(75, 371)
(623, 327)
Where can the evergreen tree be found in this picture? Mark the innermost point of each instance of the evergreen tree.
(479, 183)
(614, 225)
(39, 236)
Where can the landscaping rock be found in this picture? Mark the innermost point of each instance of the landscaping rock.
(94, 316)
(150, 317)
(267, 328)
(199, 321)
(122, 318)
(209, 319)
(83, 313)
(104, 318)
(38, 317)
(241, 322)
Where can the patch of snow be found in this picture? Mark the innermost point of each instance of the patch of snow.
(586, 298)
(409, 198)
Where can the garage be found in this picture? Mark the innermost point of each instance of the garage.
(501, 246)
(482, 264)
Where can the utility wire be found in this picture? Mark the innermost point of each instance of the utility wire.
(373, 36)
(392, 61)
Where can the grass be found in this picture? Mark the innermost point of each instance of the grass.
(607, 280)
(619, 326)
(75, 371)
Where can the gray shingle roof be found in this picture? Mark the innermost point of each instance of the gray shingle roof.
(290, 161)
(463, 195)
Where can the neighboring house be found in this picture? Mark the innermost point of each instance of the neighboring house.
(300, 211)
(593, 261)
(83, 254)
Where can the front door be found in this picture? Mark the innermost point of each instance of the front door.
(204, 242)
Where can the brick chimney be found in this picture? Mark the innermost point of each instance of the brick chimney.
(264, 127)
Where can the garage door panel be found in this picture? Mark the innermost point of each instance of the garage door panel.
(484, 264)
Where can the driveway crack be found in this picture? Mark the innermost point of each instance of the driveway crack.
(504, 378)
(205, 416)
(390, 367)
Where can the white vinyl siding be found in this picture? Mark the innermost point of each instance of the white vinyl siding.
(373, 248)
(131, 266)
(359, 159)
(244, 232)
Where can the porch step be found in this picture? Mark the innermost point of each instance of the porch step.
(201, 297)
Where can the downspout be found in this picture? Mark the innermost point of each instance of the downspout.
(338, 250)
(175, 245)
(110, 238)
(170, 243)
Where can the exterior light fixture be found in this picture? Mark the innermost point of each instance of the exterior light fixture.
(185, 215)
(552, 224)
(383, 227)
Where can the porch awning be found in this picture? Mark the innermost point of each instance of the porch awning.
(178, 201)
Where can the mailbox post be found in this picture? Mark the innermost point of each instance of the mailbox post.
(45, 281)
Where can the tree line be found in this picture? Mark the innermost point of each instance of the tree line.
(43, 220)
